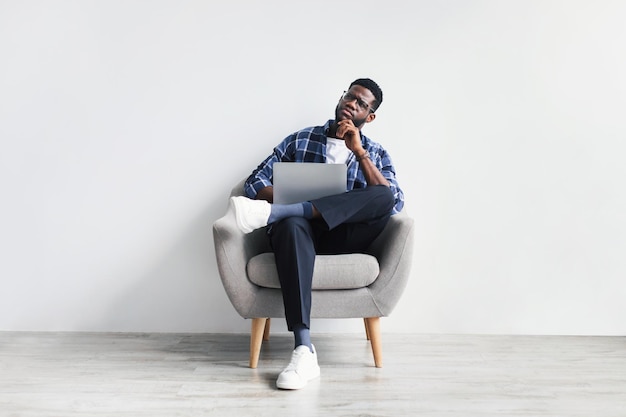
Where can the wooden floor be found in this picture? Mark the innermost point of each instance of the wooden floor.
(104, 374)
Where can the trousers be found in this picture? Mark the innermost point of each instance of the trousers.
(349, 223)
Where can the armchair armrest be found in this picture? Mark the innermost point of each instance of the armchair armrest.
(394, 250)
(233, 249)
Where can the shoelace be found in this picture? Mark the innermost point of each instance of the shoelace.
(295, 358)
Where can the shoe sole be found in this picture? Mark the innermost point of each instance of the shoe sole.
(240, 223)
(293, 387)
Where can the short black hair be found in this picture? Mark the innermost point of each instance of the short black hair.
(373, 87)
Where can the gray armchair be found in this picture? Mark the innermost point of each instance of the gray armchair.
(360, 285)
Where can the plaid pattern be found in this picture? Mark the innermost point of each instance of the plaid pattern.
(309, 145)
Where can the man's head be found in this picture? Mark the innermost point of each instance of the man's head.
(360, 102)
(374, 89)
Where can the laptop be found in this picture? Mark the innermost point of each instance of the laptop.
(295, 182)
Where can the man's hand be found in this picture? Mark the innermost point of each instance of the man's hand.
(266, 193)
(347, 131)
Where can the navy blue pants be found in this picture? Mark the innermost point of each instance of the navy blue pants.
(350, 222)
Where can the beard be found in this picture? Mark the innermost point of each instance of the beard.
(359, 123)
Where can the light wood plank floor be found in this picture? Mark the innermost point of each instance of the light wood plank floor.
(104, 374)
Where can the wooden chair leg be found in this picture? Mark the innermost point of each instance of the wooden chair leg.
(256, 339)
(367, 331)
(373, 328)
(266, 331)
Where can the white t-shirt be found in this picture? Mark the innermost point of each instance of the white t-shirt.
(336, 151)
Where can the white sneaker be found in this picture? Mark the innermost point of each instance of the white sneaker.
(302, 368)
(251, 214)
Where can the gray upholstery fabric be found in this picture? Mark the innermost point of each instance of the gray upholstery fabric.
(253, 295)
(332, 272)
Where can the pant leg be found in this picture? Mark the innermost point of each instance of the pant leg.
(292, 240)
(362, 205)
(350, 237)
(360, 215)
(351, 222)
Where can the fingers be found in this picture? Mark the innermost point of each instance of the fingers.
(346, 122)
(346, 129)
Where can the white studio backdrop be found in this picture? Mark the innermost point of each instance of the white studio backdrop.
(124, 124)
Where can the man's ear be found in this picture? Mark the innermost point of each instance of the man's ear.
(370, 117)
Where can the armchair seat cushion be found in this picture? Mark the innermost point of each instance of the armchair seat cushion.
(332, 272)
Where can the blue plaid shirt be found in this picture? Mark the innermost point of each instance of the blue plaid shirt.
(309, 145)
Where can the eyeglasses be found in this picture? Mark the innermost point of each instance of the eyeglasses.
(362, 105)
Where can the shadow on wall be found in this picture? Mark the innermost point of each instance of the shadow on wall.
(182, 292)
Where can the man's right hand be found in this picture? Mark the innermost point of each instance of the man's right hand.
(266, 194)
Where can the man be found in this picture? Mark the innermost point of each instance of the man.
(344, 223)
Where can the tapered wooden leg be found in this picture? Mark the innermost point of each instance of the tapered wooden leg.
(256, 339)
(373, 327)
(367, 331)
(266, 332)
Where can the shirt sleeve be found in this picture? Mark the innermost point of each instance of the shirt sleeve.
(389, 172)
(263, 176)
(381, 158)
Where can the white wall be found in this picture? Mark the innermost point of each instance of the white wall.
(123, 125)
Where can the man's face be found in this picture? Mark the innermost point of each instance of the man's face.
(355, 105)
